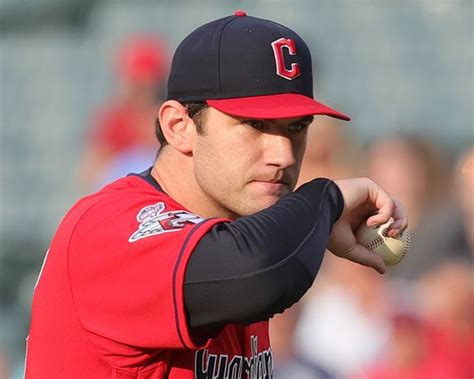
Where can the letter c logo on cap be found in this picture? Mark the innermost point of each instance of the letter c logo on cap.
(281, 69)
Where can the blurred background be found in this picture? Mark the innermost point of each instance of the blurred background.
(80, 84)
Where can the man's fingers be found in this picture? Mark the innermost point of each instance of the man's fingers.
(362, 197)
(400, 221)
(384, 204)
(388, 209)
(361, 255)
(343, 244)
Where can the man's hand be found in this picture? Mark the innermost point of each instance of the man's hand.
(364, 199)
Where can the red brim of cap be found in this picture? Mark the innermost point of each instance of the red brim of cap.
(287, 105)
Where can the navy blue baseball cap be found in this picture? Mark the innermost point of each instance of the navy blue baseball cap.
(248, 67)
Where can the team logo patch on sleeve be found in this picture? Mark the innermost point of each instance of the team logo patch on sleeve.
(154, 220)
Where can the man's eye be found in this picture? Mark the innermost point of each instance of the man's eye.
(297, 127)
(256, 124)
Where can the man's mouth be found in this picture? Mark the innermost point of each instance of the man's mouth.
(273, 186)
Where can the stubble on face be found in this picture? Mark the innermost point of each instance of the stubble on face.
(230, 168)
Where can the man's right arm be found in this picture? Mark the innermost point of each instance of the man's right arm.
(259, 265)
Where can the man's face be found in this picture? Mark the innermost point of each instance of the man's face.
(245, 165)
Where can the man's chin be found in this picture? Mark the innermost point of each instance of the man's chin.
(261, 203)
(259, 199)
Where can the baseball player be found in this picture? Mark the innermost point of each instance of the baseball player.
(175, 272)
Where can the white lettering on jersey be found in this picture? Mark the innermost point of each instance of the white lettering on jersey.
(153, 220)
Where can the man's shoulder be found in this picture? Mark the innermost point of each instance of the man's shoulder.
(120, 198)
(130, 205)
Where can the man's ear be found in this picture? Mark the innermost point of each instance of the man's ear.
(177, 127)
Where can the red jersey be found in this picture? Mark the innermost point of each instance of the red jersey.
(109, 301)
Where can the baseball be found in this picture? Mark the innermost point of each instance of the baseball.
(375, 239)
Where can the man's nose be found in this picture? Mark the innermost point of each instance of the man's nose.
(280, 151)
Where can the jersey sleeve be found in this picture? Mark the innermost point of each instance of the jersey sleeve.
(126, 264)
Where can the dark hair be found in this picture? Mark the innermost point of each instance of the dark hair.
(194, 110)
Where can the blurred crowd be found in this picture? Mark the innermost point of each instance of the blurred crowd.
(417, 321)
(120, 138)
